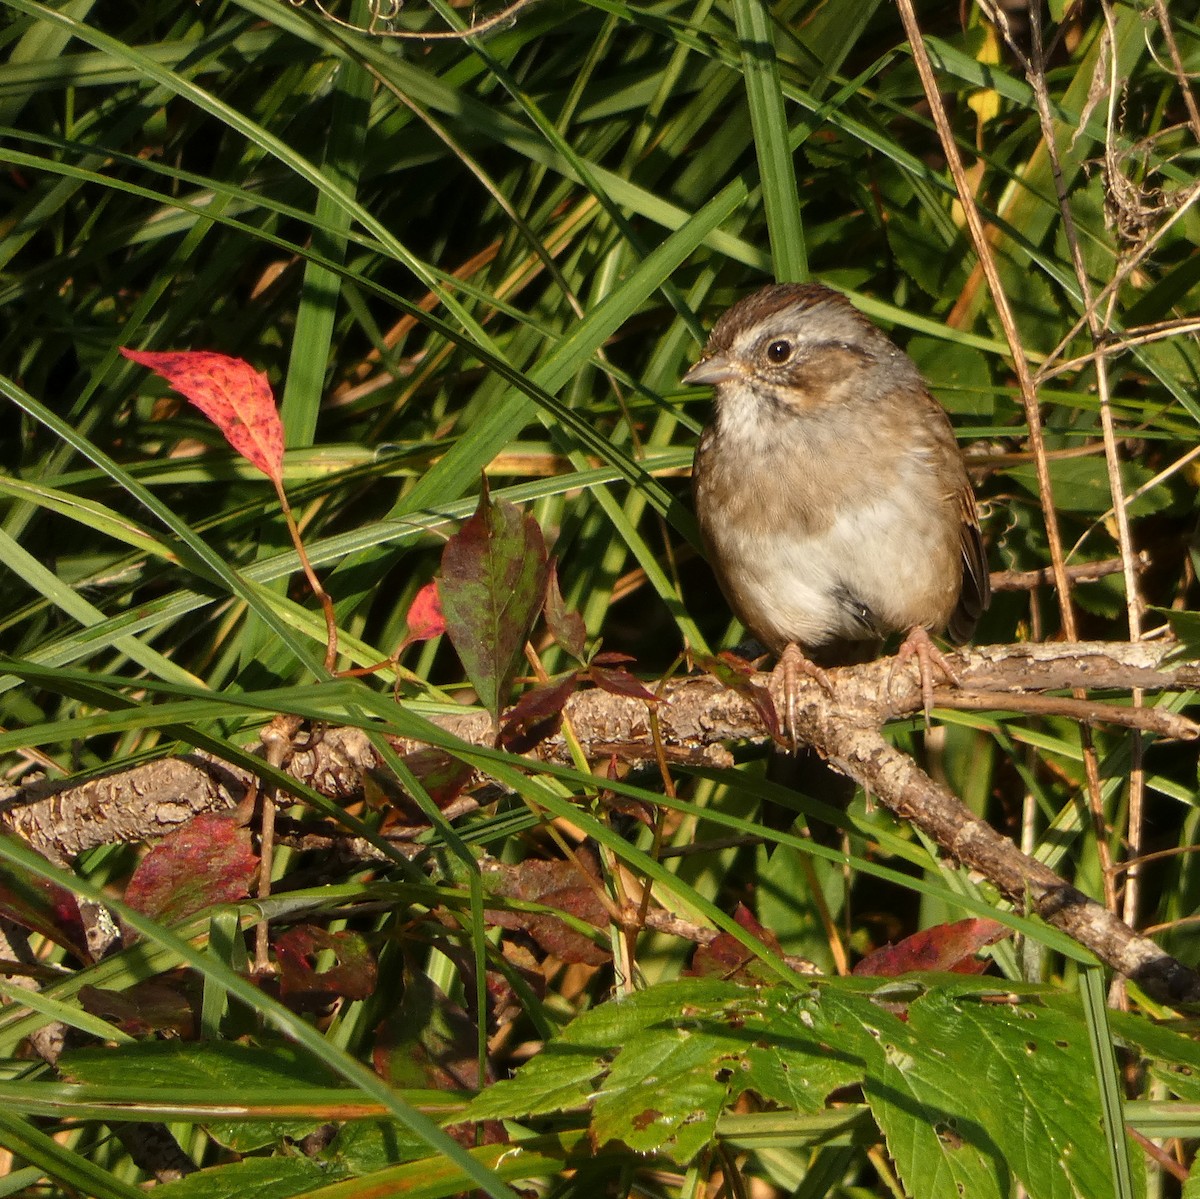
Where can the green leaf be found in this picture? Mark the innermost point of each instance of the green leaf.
(254, 1178)
(781, 201)
(944, 1062)
(1081, 485)
(230, 1068)
(661, 1066)
(971, 1063)
(958, 375)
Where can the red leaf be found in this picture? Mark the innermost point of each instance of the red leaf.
(944, 947)
(353, 974)
(492, 586)
(207, 861)
(232, 394)
(727, 958)
(566, 625)
(619, 682)
(425, 620)
(610, 657)
(537, 715)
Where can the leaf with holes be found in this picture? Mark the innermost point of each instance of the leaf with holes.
(492, 585)
(232, 394)
(351, 976)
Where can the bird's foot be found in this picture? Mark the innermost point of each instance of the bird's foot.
(918, 644)
(784, 685)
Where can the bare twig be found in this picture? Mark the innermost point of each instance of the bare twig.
(1078, 572)
(1120, 343)
(1152, 720)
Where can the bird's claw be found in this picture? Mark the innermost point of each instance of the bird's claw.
(784, 685)
(918, 644)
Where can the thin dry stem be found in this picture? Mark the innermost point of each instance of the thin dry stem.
(1036, 75)
(383, 12)
(1079, 572)
(323, 597)
(1119, 343)
(1181, 77)
(987, 262)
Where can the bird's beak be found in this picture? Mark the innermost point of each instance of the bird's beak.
(711, 371)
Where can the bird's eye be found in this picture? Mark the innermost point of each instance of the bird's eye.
(779, 351)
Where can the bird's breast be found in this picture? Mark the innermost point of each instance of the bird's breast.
(816, 543)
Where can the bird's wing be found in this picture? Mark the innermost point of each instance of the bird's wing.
(976, 591)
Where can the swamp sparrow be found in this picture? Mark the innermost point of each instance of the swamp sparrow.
(831, 493)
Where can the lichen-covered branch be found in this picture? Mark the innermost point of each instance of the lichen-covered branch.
(696, 716)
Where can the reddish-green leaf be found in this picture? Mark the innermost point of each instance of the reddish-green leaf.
(42, 907)
(492, 585)
(142, 1009)
(565, 624)
(537, 715)
(207, 861)
(726, 957)
(945, 947)
(555, 885)
(429, 1041)
(232, 394)
(617, 681)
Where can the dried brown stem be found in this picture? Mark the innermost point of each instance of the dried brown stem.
(1181, 75)
(987, 262)
(1120, 342)
(385, 11)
